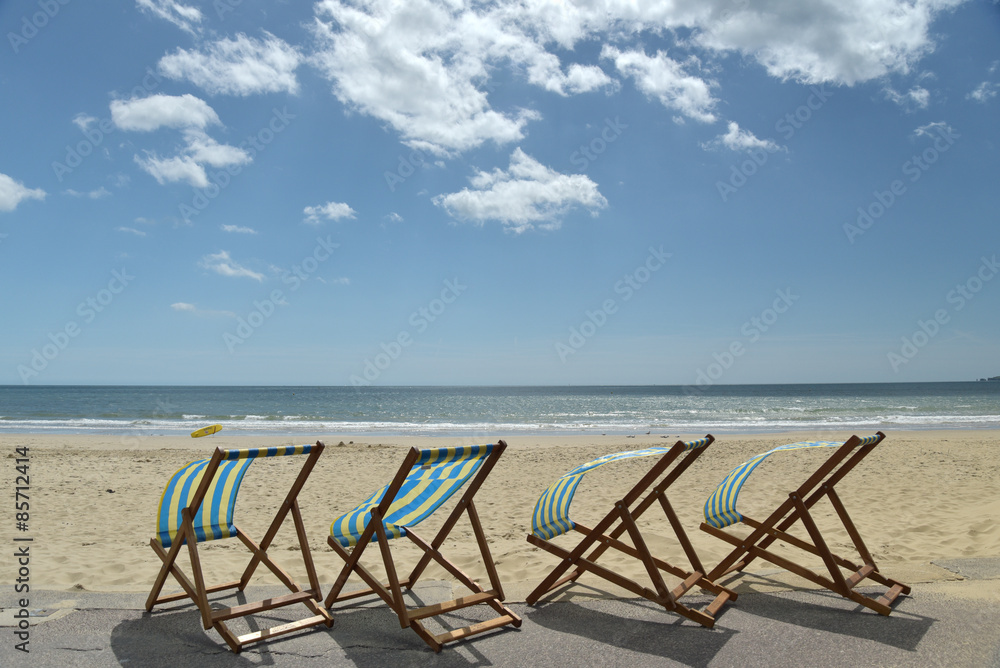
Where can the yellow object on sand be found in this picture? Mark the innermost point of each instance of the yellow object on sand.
(205, 431)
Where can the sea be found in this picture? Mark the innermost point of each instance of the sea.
(499, 411)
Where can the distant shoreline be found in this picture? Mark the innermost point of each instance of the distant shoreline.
(463, 411)
(299, 434)
(184, 441)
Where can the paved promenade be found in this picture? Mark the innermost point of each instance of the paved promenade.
(945, 623)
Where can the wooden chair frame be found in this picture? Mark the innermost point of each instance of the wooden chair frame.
(392, 592)
(198, 592)
(623, 518)
(797, 507)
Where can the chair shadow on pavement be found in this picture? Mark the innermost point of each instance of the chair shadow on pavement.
(365, 635)
(169, 639)
(173, 635)
(368, 633)
(830, 613)
(640, 627)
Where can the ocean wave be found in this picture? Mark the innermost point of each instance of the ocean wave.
(275, 425)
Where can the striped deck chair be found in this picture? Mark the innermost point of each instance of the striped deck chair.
(551, 519)
(197, 506)
(720, 512)
(424, 482)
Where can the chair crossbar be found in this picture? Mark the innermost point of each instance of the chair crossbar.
(451, 606)
(720, 512)
(551, 519)
(197, 506)
(280, 630)
(208, 590)
(260, 606)
(475, 629)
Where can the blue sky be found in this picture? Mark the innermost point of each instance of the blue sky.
(499, 193)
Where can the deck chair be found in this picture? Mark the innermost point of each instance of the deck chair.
(551, 519)
(720, 512)
(197, 506)
(425, 481)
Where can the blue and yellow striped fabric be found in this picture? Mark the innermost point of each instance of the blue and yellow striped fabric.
(437, 474)
(214, 518)
(720, 508)
(551, 516)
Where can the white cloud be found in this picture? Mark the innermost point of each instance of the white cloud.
(177, 168)
(394, 217)
(238, 229)
(934, 130)
(984, 91)
(184, 307)
(544, 70)
(92, 194)
(665, 79)
(582, 79)
(185, 112)
(741, 140)
(158, 111)
(221, 263)
(420, 66)
(916, 98)
(343, 280)
(920, 96)
(330, 211)
(203, 149)
(83, 121)
(184, 17)
(528, 193)
(14, 192)
(815, 42)
(131, 230)
(241, 66)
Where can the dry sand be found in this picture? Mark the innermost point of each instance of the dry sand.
(919, 497)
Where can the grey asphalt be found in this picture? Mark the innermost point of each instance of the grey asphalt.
(941, 624)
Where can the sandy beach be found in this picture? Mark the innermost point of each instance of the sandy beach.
(920, 497)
